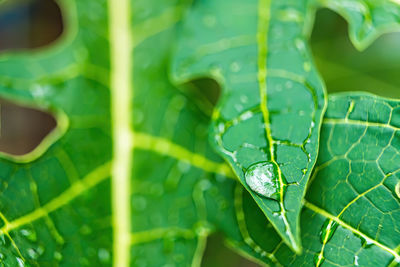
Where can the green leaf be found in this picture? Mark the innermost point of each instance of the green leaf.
(273, 98)
(351, 214)
(58, 205)
(367, 19)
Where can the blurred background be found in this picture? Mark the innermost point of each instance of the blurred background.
(37, 23)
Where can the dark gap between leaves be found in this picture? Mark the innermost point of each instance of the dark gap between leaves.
(26, 25)
(204, 92)
(344, 68)
(217, 254)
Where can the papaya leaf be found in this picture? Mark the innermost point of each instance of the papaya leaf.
(58, 205)
(367, 19)
(351, 214)
(268, 118)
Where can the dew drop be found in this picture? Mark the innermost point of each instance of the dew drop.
(307, 66)
(57, 256)
(32, 254)
(20, 261)
(356, 260)
(85, 230)
(209, 21)
(235, 66)
(29, 234)
(139, 203)
(104, 255)
(263, 179)
(318, 259)
(397, 189)
(327, 231)
(184, 166)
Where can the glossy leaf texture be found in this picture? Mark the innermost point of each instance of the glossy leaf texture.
(351, 214)
(273, 98)
(55, 204)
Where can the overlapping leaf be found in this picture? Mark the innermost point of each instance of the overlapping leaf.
(352, 210)
(56, 206)
(273, 99)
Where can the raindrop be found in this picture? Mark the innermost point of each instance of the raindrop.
(209, 21)
(289, 84)
(33, 254)
(29, 234)
(139, 203)
(307, 66)
(263, 178)
(235, 66)
(85, 230)
(318, 259)
(327, 230)
(397, 189)
(184, 166)
(104, 255)
(20, 261)
(57, 256)
(244, 98)
(356, 260)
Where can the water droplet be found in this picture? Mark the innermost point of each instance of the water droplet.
(20, 261)
(29, 234)
(104, 255)
(238, 107)
(397, 189)
(85, 230)
(327, 231)
(244, 98)
(40, 250)
(2, 257)
(235, 66)
(289, 84)
(139, 203)
(307, 66)
(184, 166)
(156, 190)
(32, 254)
(209, 21)
(263, 178)
(57, 256)
(318, 259)
(356, 260)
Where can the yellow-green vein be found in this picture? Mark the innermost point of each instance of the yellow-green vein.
(89, 181)
(264, 7)
(350, 228)
(121, 62)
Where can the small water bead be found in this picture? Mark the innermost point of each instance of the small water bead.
(20, 261)
(104, 255)
(318, 259)
(327, 230)
(263, 178)
(235, 66)
(356, 260)
(397, 189)
(29, 234)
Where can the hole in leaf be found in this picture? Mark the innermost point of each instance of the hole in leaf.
(29, 24)
(344, 68)
(217, 254)
(23, 128)
(204, 92)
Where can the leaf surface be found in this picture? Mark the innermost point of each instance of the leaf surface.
(351, 211)
(58, 205)
(273, 98)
